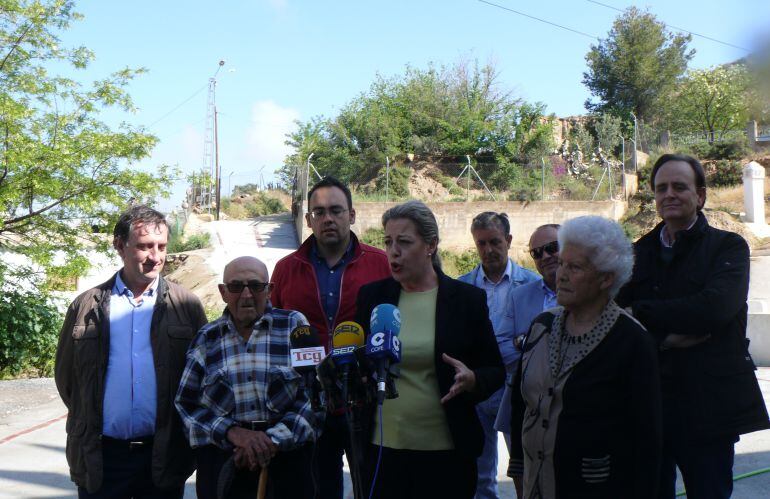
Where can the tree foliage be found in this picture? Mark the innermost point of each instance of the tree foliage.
(62, 169)
(436, 112)
(711, 101)
(637, 66)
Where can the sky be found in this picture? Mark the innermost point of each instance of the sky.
(288, 60)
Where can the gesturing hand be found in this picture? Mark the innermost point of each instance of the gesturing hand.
(465, 379)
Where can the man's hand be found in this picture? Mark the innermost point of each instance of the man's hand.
(256, 446)
(465, 379)
(241, 461)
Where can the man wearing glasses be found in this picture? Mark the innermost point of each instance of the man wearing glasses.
(526, 302)
(497, 275)
(321, 279)
(239, 396)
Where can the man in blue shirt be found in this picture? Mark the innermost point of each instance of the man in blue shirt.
(526, 302)
(497, 274)
(121, 353)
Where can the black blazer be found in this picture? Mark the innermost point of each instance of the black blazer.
(464, 332)
(701, 292)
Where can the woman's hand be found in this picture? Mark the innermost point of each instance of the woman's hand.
(465, 379)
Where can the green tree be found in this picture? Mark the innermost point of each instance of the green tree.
(711, 101)
(608, 130)
(637, 66)
(62, 169)
(446, 111)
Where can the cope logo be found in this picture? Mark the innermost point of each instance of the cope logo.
(377, 343)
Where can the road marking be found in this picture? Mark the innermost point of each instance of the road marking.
(30, 430)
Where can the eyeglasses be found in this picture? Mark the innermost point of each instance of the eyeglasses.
(254, 286)
(551, 248)
(334, 211)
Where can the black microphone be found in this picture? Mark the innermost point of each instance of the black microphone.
(306, 354)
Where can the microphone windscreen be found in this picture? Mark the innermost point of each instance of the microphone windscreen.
(385, 317)
(347, 334)
(306, 351)
(304, 336)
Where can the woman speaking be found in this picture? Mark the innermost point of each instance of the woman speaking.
(586, 420)
(450, 361)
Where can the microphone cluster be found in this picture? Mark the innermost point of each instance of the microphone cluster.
(358, 371)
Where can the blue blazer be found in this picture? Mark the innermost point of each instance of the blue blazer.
(524, 303)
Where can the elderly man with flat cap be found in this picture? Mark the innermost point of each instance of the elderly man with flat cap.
(239, 396)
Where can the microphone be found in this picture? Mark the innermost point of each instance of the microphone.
(383, 345)
(306, 354)
(347, 336)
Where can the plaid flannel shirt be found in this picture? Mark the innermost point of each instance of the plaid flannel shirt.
(227, 381)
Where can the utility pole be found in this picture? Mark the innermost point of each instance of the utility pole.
(210, 161)
(216, 163)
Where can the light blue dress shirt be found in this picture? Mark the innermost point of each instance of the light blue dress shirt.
(130, 392)
(497, 301)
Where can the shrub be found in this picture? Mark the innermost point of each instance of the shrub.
(725, 173)
(734, 149)
(456, 264)
(179, 244)
(258, 205)
(30, 323)
(398, 182)
(373, 237)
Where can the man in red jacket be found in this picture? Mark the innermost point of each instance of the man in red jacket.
(321, 279)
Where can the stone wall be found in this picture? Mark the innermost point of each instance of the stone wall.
(455, 219)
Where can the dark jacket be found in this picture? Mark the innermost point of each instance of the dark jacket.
(463, 331)
(81, 366)
(607, 416)
(709, 388)
(295, 286)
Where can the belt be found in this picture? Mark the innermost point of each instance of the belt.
(254, 425)
(131, 444)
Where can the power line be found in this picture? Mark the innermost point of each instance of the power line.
(677, 28)
(538, 19)
(177, 107)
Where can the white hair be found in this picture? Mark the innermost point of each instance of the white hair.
(607, 246)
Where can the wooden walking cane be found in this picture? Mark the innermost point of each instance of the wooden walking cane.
(262, 487)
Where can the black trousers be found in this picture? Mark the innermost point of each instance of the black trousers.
(127, 473)
(707, 468)
(289, 475)
(327, 462)
(413, 474)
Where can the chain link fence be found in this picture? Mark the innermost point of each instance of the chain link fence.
(556, 177)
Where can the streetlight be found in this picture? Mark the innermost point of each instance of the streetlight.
(229, 178)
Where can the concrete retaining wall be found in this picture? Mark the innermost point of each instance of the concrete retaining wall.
(455, 219)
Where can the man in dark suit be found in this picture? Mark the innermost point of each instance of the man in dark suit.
(689, 290)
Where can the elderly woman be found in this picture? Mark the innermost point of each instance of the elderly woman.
(431, 435)
(586, 420)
